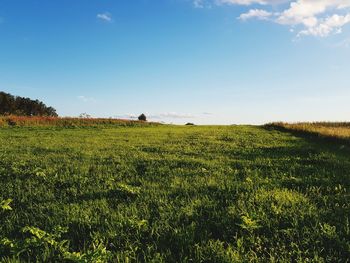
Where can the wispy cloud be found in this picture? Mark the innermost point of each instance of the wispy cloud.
(319, 18)
(86, 99)
(162, 116)
(198, 3)
(202, 3)
(173, 115)
(107, 17)
(126, 116)
(255, 13)
(250, 2)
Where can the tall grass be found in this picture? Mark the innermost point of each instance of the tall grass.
(335, 130)
(24, 121)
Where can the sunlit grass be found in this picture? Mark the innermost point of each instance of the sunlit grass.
(172, 194)
(325, 129)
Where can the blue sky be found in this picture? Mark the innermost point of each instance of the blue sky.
(208, 62)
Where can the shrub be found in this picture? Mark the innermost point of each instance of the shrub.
(142, 117)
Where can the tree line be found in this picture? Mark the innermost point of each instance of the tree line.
(16, 105)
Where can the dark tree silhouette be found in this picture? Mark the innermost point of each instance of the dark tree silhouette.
(15, 105)
(142, 117)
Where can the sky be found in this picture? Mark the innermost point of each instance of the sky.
(178, 61)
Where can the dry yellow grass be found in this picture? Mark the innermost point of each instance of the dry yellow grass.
(324, 129)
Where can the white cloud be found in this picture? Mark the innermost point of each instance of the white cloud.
(255, 13)
(107, 17)
(250, 2)
(329, 25)
(319, 18)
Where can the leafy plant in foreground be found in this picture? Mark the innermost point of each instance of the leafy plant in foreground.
(5, 204)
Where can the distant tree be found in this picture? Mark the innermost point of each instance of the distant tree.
(84, 116)
(15, 105)
(142, 117)
(189, 123)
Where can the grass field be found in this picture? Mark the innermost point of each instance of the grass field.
(172, 194)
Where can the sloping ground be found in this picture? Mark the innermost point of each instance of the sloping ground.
(35, 121)
(172, 194)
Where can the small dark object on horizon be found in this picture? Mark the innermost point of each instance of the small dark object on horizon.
(189, 123)
(142, 117)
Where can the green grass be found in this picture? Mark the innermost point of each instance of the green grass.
(172, 194)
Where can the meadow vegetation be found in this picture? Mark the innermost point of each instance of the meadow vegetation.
(335, 130)
(159, 193)
(67, 122)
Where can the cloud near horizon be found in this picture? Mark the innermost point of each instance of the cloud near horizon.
(319, 18)
(165, 115)
(172, 115)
